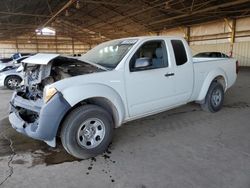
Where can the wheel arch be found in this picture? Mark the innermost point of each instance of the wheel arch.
(218, 75)
(105, 104)
(97, 94)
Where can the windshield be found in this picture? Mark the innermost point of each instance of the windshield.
(109, 54)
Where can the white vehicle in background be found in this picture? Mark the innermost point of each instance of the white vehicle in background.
(5, 60)
(4, 65)
(11, 78)
(211, 55)
(10, 75)
(83, 99)
(12, 62)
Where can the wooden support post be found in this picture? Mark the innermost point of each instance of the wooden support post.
(56, 43)
(232, 28)
(16, 45)
(187, 34)
(73, 46)
(232, 36)
(37, 48)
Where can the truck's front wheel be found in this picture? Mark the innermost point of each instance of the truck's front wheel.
(214, 98)
(87, 131)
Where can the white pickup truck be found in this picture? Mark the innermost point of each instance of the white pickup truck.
(83, 99)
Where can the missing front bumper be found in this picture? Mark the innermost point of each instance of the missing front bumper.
(49, 117)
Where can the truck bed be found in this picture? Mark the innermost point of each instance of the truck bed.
(204, 67)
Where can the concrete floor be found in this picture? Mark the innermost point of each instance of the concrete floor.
(181, 148)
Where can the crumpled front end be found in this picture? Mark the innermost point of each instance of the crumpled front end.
(31, 112)
(36, 119)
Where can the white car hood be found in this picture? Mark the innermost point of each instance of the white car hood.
(40, 58)
(3, 65)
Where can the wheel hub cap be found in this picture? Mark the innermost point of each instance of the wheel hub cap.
(90, 133)
(12, 82)
(216, 97)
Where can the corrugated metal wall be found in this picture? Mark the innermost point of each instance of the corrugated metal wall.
(215, 36)
(242, 53)
(224, 47)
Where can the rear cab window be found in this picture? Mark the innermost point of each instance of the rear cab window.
(179, 52)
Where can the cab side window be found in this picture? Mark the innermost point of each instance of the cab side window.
(179, 52)
(151, 55)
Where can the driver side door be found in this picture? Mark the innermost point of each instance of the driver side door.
(150, 88)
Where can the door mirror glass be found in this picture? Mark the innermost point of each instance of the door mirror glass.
(142, 62)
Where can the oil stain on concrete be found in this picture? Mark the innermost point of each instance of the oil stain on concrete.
(40, 153)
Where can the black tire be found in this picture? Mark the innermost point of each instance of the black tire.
(72, 125)
(16, 80)
(210, 105)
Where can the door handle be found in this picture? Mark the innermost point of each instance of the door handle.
(169, 74)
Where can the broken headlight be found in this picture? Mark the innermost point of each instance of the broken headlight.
(49, 93)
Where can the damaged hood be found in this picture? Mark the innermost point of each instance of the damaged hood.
(40, 58)
(44, 59)
(41, 70)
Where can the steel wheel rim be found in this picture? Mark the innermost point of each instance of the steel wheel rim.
(90, 133)
(216, 97)
(12, 83)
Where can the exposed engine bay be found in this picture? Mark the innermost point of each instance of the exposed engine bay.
(37, 76)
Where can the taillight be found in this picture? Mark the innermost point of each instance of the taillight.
(237, 67)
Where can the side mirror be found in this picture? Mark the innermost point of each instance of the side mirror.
(142, 62)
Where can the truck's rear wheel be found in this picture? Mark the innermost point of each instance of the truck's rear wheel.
(214, 98)
(87, 131)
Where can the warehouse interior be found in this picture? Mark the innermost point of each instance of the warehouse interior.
(183, 147)
(81, 25)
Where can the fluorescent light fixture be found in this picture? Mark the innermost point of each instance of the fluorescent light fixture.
(46, 31)
(78, 5)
